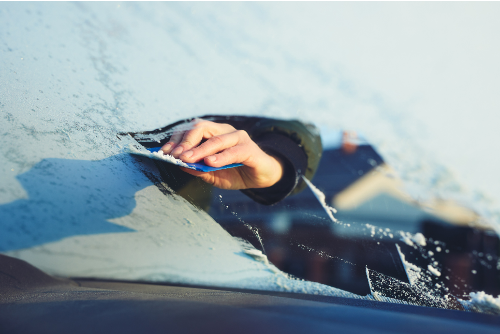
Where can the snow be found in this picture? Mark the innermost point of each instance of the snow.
(406, 238)
(187, 247)
(433, 270)
(419, 239)
(372, 229)
(157, 137)
(159, 155)
(483, 302)
(413, 239)
(321, 198)
(413, 272)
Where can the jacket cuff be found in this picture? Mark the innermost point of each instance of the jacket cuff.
(294, 163)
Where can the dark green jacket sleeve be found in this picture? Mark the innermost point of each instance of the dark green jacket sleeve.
(297, 144)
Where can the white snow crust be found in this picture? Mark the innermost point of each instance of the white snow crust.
(321, 198)
(159, 155)
(413, 272)
(433, 270)
(419, 239)
(483, 302)
(413, 240)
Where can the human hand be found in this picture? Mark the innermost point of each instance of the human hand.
(225, 145)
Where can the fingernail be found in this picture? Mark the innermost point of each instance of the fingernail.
(211, 158)
(178, 150)
(167, 148)
(187, 154)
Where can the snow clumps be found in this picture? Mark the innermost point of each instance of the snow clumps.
(417, 239)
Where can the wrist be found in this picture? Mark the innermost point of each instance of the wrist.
(277, 170)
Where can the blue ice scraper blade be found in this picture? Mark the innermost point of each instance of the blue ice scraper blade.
(200, 166)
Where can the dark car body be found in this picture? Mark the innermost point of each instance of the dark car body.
(34, 302)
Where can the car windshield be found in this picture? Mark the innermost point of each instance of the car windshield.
(384, 217)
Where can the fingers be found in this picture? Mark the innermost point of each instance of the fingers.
(184, 141)
(177, 135)
(202, 130)
(216, 144)
(236, 154)
(260, 169)
(174, 140)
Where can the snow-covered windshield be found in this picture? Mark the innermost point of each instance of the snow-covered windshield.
(415, 199)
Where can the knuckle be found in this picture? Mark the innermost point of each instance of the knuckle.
(217, 140)
(243, 134)
(199, 124)
(177, 135)
(175, 139)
